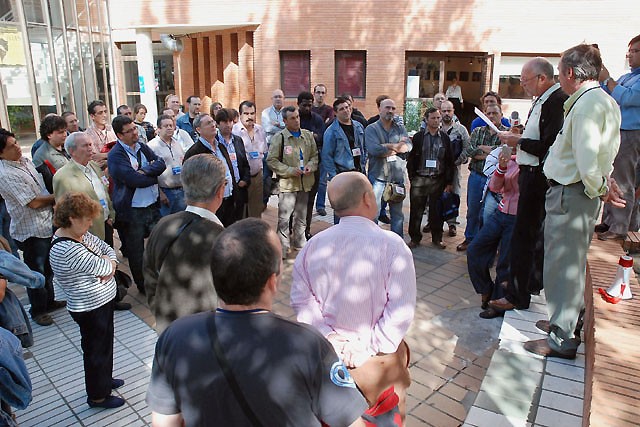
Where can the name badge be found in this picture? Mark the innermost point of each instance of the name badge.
(233, 157)
(105, 180)
(176, 170)
(103, 202)
(288, 149)
(399, 189)
(431, 164)
(355, 152)
(254, 155)
(392, 158)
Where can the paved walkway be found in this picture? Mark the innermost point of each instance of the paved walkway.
(451, 350)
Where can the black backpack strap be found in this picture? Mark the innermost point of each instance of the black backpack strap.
(228, 374)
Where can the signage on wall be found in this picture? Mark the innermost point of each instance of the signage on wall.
(141, 83)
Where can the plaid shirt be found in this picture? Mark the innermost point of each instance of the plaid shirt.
(21, 183)
(481, 136)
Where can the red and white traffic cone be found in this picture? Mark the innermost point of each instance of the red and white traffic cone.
(620, 289)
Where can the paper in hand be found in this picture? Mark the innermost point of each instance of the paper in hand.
(486, 119)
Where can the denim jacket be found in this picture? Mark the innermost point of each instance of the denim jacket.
(12, 314)
(336, 152)
(15, 384)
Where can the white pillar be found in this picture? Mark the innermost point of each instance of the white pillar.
(146, 76)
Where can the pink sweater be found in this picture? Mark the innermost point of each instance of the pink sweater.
(506, 182)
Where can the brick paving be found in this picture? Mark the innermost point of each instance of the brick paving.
(451, 349)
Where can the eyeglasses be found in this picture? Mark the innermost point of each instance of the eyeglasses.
(125, 132)
(529, 79)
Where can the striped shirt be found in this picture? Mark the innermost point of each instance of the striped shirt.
(77, 270)
(357, 280)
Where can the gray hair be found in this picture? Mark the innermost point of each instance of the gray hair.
(288, 109)
(542, 66)
(70, 144)
(198, 120)
(585, 61)
(202, 176)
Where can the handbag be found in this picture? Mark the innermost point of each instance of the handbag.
(392, 193)
(448, 206)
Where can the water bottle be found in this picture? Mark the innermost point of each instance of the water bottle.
(301, 161)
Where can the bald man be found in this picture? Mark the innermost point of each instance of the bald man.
(356, 284)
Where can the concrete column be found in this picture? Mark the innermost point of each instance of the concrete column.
(146, 75)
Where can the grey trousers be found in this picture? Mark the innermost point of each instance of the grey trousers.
(624, 172)
(568, 229)
(292, 203)
(254, 192)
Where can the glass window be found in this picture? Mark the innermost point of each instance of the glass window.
(43, 70)
(8, 11)
(510, 69)
(64, 82)
(76, 78)
(295, 72)
(15, 82)
(33, 11)
(88, 66)
(55, 11)
(351, 73)
(69, 13)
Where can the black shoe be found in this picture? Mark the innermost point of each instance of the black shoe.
(109, 402)
(426, 228)
(308, 235)
(384, 219)
(601, 228)
(491, 313)
(116, 383)
(452, 231)
(321, 212)
(122, 306)
(57, 305)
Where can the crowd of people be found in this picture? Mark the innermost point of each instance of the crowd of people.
(185, 196)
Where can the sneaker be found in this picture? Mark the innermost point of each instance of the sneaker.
(43, 319)
(109, 402)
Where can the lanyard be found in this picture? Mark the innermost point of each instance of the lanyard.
(27, 171)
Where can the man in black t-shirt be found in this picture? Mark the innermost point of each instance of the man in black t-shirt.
(287, 374)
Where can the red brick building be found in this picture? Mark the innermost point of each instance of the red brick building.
(244, 49)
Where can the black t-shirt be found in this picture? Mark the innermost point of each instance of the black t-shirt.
(289, 374)
(348, 130)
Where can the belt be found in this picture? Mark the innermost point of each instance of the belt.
(530, 168)
(432, 176)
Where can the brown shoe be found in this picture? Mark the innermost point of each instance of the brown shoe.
(501, 304)
(610, 235)
(463, 246)
(544, 326)
(452, 231)
(439, 245)
(43, 319)
(542, 348)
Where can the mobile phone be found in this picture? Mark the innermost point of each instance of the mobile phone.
(506, 151)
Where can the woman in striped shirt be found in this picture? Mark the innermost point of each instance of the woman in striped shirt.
(83, 266)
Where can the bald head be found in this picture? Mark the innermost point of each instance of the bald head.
(351, 194)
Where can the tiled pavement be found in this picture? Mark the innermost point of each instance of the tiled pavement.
(451, 350)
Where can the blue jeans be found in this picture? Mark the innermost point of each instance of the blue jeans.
(176, 201)
(489, 206)
(496, 232)
(395, 209)
(5, 223)
(475, 186)
(321, 197)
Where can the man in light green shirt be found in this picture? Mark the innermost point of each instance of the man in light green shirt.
(577, 167)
